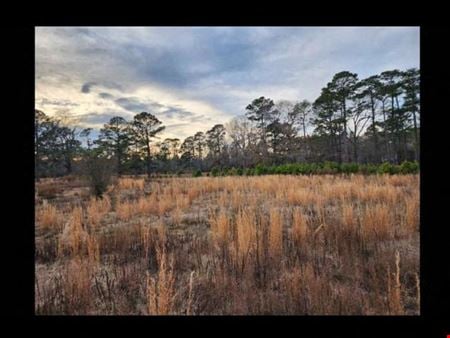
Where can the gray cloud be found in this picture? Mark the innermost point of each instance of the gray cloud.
(62, 103)
(86, 88)
(106, 96)
(177, 125)
(104, 117)
(135, 105)
(198, 118)
(176, 112)
(219, 67)
(97, 118)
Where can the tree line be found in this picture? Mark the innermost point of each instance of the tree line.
(371, 120)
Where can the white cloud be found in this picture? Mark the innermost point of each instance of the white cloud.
(210, 72)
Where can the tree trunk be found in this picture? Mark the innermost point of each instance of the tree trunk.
(149, 169)
(344, 146)
(394, 129)
(68, 164)
(416, 136)
(119, 162)
(374, 130)
(405, 142)
(386, 141)
(339, 147)
(355, 151)
(307, 145)
(37, 162)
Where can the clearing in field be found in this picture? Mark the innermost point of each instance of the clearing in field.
(316, 245)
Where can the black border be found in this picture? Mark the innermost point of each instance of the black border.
(435, 273)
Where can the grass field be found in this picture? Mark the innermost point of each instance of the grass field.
(316, 245)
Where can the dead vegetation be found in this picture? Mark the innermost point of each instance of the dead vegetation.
(317, 245)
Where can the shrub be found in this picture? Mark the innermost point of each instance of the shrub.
(368, 169)
(260, 170)
(409, 167)
(385, 168)
(197, 173)
(331, 167)
(327, 167)
(99, 173)
(234, 172)
(311, 168)
(349, 168)
(215, 171)
(249, 172)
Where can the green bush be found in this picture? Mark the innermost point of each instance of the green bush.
(197, 173)
(260, 170)
(368, 169)
(215, 172)
(326, 167)
(349, 168)
(329, 167)
(249, 172)
(98, 171)
(409, 167)
(232, 171)
(385, 168)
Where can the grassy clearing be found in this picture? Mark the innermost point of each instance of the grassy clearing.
(286, 244)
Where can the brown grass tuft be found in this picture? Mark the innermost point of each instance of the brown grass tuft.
(125, 210)
(275, 234)
(48, 217)
(160, 288)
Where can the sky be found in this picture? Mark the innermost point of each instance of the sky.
(191, 78)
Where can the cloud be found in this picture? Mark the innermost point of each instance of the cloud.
(94, 118)
(135, 105)
(86, 87)
(199, 118)
(176, 112)
(106, 96)
(61, 103)
(204, 75)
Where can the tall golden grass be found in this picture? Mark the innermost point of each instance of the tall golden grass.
(161, 288)
(130, 183)
(275, 234)
(233, 245)
(48, 217)
(96, 209)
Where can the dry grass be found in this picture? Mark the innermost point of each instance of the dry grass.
(48, 189)
(275, 235)
(394, 289)
(125, 211)
(130, 184)
(48, 217)
(299, 227)
(245, 235)
(232, 245)
(160, 289)
(96, 209)
(377, 222)
(220, 228)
